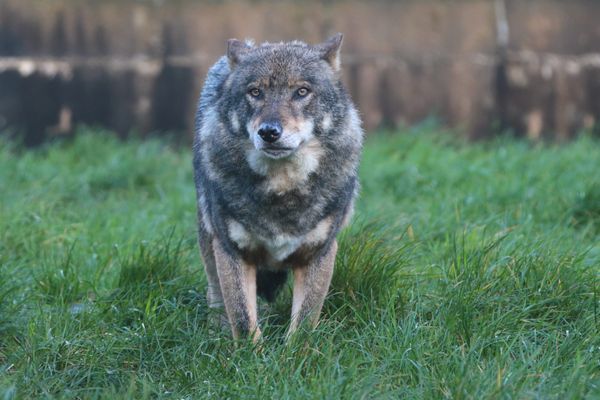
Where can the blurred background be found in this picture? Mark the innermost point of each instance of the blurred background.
(482, 67)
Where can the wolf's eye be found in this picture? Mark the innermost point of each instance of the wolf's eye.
(302, 92)
(255, 92)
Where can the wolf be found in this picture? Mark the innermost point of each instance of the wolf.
(276, 152)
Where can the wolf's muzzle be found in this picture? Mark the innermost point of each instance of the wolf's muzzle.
(270, 131)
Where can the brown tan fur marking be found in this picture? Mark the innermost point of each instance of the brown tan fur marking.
(310, 288)
(240, 304)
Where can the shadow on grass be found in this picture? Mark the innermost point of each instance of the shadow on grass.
(586, 210)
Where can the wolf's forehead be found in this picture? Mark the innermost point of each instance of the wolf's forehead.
(281, 79)
(282, 67)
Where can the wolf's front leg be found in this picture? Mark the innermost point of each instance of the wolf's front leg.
(238, 287)
(311, 284)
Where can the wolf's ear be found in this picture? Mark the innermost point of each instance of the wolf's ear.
(330, 50)
(235, 51)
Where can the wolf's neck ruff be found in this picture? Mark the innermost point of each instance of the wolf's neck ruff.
(283, 175)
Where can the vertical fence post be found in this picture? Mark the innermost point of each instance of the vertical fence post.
(501, 80)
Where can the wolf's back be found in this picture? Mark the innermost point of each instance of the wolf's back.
(209, 98)
(210, 91)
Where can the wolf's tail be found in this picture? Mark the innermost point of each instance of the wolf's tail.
(268, 283)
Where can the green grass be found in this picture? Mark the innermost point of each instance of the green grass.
(471, 271)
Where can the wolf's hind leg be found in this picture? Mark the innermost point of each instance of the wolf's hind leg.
(311, 284)
(213, 292)
(238, 286)
(214, 298)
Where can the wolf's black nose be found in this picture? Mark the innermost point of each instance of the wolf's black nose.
(270, 131)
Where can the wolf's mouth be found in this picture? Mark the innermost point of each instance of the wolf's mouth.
(277, 152)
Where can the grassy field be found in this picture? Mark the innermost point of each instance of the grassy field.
(471, 271)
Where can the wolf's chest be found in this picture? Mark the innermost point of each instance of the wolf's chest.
(277, 246)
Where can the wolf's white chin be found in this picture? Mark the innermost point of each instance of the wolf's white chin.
(277, 154)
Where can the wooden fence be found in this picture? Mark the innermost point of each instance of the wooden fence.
(532, 67)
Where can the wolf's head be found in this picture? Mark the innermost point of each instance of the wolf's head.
(280, 96)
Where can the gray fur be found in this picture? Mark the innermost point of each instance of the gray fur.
(262, 209)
